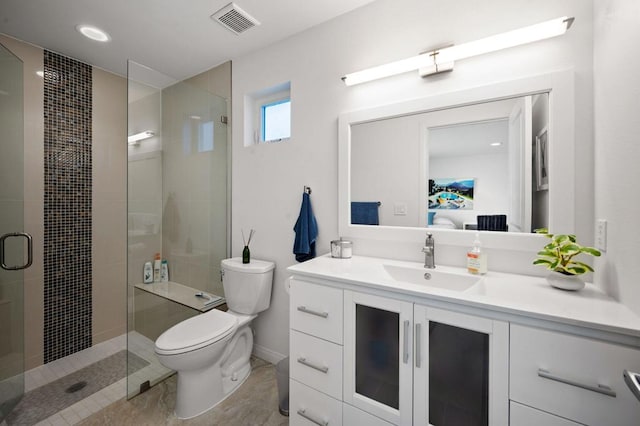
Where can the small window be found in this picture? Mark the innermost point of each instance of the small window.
(275, 118)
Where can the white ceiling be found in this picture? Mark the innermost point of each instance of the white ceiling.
(175, 37)
(470, 139)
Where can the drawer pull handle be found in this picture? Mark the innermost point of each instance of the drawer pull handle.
(633, 381)
(603, 389)
(303, 412)
(312, 312)
(322, 369)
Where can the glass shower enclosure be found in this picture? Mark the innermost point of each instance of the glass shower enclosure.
(11, 224)
(178, 198)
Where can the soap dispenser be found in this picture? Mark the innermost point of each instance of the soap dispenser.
(476, 258)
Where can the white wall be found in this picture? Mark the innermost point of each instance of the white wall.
(617, 101)
(268, 179)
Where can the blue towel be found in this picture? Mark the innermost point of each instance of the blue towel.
(306, 228)
(364, 213)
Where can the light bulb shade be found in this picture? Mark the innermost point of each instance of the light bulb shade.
(518, 37)
(441, 60)
(94, 33)
(134, 139)
(387, 70)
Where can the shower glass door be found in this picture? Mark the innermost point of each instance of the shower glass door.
(11, 222)
(177, 207)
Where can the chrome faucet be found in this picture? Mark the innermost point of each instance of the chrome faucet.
(429, 251)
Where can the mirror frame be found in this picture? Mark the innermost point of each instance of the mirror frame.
(561, 88)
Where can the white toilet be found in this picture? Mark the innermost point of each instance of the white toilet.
(211, 351)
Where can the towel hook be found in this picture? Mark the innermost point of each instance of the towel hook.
(307, 189)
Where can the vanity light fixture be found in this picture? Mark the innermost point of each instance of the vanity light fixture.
(94, 33)
(441, 60)
(135, 139)
(495, 143)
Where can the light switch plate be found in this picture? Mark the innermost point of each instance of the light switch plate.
(601, 234)
(400, 209)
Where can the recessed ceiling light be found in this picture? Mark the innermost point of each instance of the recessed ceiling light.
(93, 33)
(495, 143)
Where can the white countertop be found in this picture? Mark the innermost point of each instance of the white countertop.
(522, 295)
(181, 294)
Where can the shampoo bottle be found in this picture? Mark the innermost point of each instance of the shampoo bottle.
(147, 274)
(476, 258)
(156, 268)
(164, 271)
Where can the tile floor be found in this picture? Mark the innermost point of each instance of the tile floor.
(254, 403)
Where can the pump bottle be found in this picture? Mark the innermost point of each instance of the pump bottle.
(476, 258)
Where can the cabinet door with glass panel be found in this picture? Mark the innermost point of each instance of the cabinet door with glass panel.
(378, 352)
(461, 369)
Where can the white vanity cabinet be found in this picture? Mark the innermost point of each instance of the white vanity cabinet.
(574, 377)
(378, 356)
(388, 348)
(364, 352)
(461, 369)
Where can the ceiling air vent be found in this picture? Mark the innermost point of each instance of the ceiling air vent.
(235, 19)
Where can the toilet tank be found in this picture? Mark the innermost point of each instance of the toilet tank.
(247, 286)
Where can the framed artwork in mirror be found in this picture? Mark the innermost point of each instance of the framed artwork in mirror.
(451, 194)
(542, 160)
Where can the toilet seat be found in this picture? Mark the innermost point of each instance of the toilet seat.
(197, 332)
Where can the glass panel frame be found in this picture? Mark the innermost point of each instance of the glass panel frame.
(11, 220)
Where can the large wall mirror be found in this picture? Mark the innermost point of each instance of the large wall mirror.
(481, 166)
(487, 158)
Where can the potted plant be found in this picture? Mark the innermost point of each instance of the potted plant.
(559, 257)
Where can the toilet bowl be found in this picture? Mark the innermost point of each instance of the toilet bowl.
(211, 351)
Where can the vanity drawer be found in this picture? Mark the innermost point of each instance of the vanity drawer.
(521, 415)
(317, 363)
(574, 377)
(352, 416)
(316, 310)
(309, 407)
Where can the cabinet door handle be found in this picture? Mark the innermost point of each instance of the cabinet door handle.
(603, 389)
(405, 345)
(312, 312)
(303, 413)
(418, 345)
(320, 368)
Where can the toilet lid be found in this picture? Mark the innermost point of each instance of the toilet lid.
(196, 332)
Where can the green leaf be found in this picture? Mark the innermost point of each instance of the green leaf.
(542, 262)
(592, 251)
(550, 253)
(584, 265)
(576, 270)
(541, 231)
(570, 249)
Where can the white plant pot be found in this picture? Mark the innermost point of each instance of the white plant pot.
(565, 282)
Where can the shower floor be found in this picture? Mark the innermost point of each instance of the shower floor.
(44, 401)
(37, 379)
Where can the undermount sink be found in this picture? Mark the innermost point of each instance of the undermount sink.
(431, 277)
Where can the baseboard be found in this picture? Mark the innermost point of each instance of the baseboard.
(267, 354)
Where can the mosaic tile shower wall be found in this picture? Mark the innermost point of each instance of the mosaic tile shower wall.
(67, 206)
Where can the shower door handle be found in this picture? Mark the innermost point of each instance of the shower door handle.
(29, 251)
